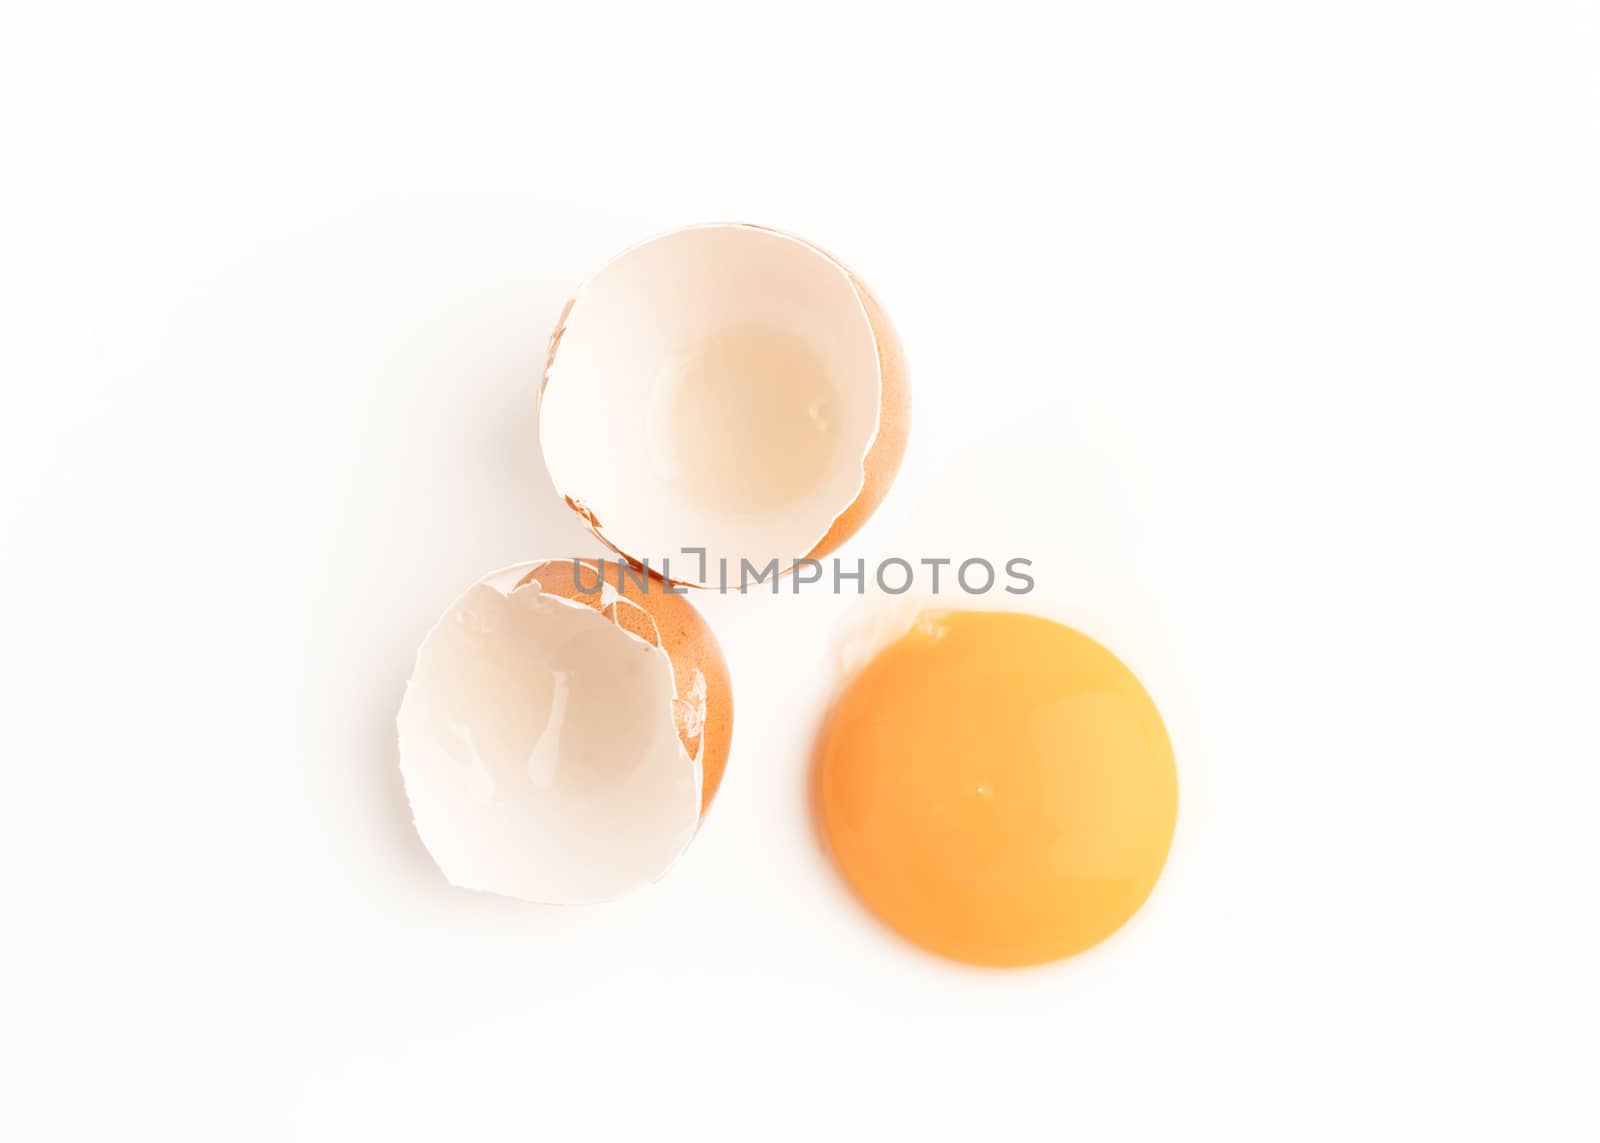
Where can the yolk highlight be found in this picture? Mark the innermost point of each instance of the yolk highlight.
(999, 788)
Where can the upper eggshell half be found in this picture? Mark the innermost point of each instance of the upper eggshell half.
(726, 387)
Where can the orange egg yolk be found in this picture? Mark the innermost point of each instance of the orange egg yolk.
(999, 788)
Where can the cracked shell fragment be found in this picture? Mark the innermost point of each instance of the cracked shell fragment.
(561, 745)
(724, 387)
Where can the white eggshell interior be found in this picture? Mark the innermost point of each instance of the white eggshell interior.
(539, 752)
(719, 388)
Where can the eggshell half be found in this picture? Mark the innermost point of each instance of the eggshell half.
(725, 387)
(552, 749)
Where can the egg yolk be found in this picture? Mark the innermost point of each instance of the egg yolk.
(999, 788)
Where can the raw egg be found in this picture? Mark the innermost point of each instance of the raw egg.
(724, 388)
(998, 787)
(561, 745)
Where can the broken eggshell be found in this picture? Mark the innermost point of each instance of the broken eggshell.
(724, 387)
(560, 745)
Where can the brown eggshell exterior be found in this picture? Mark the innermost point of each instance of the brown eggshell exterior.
(883, 458)
(687, 640)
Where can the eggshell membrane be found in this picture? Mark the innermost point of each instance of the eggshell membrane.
(540, 748)
(880, 454)
(670, 621)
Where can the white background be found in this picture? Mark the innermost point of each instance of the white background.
(1268, 330)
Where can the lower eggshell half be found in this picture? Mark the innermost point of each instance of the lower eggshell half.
(560, 743)
(667, 619)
